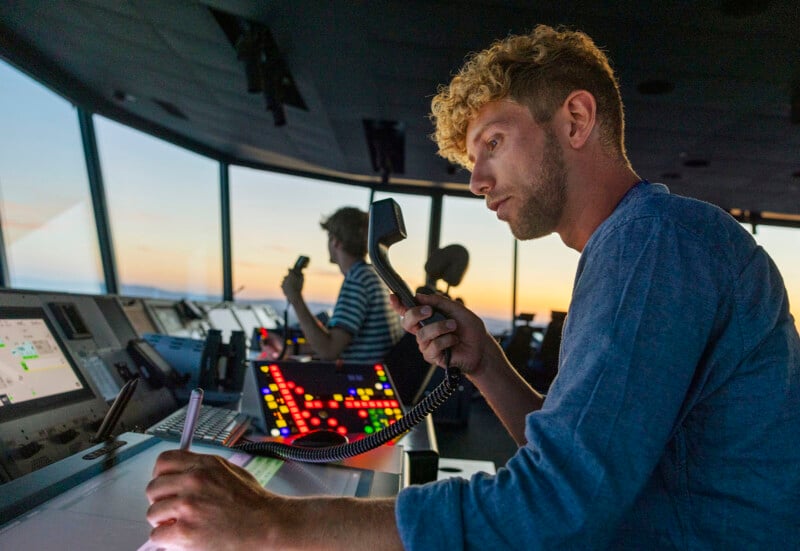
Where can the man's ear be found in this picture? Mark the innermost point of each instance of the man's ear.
(581, 110)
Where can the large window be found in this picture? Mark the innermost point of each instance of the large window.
(545, 274)
(274, 219)
(164, 211)
(45, 205)
(783, 245)
(487, 287)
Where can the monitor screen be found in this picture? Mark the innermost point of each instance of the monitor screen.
(350, 398)
(35, 371)
(169, 319)
(138, 316)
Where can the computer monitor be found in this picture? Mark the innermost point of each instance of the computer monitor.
(289, 398)
(36, 373)
(168, 319)
(137, 314)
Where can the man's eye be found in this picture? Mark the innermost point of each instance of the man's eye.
(491, 144)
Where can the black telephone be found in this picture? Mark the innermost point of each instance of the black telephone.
(385, 228)
(300, 264)
(153, 367)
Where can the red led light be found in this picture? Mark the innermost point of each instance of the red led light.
(332, 422)
(315, 421)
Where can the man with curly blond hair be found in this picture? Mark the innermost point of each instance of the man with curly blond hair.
(674, 421)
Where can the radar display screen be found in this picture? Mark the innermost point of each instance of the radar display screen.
(35, 372)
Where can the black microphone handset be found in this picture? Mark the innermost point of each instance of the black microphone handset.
(385, 228)
(300, 264)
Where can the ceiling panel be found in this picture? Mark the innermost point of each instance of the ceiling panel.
(733, 66)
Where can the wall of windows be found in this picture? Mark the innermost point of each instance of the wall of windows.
(45, 203)
(783, 245)
(274, 219)
(164, 213)
(545, 274)
(487, 287)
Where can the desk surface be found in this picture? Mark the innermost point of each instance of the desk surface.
(103, 506)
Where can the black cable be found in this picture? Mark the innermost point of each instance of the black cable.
(285, 331)
(328, 454)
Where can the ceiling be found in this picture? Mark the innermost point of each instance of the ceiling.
(724, 125)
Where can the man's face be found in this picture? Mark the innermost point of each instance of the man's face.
(519, 168)
(331, 248)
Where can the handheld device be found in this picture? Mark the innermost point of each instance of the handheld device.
(386, 227)
(300, 264)
(152, 366)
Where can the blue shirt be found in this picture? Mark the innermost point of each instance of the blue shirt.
(363, 310)
(674, 421)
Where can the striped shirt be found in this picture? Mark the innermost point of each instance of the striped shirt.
(363, 310)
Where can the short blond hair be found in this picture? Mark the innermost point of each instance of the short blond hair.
(350, 226)
(538, 70)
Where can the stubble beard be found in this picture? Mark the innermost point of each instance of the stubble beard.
(543, 206)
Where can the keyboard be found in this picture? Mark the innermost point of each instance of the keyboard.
(215, 425)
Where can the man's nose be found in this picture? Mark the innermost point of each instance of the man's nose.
(480, 181)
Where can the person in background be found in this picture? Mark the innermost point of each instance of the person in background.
(363, 327)
(674, 420)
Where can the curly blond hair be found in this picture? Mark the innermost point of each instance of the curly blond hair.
(538, 70)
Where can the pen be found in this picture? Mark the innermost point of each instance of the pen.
(192, 412)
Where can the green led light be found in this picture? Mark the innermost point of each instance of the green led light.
(368, 429)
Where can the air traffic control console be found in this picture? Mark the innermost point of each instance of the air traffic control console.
(63, 359)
